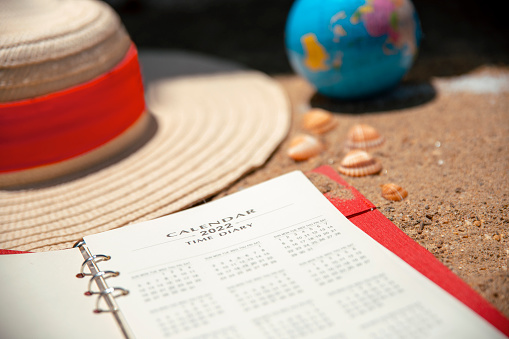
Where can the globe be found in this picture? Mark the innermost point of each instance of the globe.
(351, 49)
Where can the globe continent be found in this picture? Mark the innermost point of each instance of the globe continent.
(351, 49)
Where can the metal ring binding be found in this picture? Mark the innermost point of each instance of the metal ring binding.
(109, 291)
(95, 258)
(79, 243)
(105, 291)
(105, 275)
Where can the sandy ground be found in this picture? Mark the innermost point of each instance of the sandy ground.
(446, 128)
(450, 154)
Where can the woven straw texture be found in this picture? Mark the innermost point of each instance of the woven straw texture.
(49, 45)
(211, 129)
(209, 123)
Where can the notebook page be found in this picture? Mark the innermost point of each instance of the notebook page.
(40, 297)
(274, 261)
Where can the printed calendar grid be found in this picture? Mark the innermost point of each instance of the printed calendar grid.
(166, 281)
(367, 295)
(185, 315)
(332, 266)
(298, 321)
(412, 321)
(238, 262)
(265, 290)
(305, 238)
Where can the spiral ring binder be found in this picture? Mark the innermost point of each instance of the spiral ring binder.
(105, 275)
(95, 258)
(109, 291)
(105, 292)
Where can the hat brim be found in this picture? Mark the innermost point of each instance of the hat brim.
(210, 122)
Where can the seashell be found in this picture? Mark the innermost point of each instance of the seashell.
(393, 192)
(318, 121)
(303, 147)
(358, 163)
(362, 136)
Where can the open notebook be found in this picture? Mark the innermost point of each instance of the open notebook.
(277, 260)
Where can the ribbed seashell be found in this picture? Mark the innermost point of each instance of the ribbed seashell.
(358, 163)
(362, 136)
(304, 146)
(393, 192)
(318, 121)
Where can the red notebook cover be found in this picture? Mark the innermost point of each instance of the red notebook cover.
(364, 215)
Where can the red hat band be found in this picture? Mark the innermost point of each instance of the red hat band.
(62, 125)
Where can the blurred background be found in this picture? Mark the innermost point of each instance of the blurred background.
(459, 35)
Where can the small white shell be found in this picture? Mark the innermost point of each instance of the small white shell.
(304, 146)
(358, 163)
(318, 121)
(362, 136)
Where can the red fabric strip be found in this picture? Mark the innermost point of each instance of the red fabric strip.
(65, 124)
(357, 205)
(2, 251)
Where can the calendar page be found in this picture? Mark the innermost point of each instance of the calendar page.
(276, 260)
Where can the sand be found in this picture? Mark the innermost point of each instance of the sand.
(449, 153)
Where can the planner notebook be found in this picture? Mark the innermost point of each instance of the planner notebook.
(277, 260)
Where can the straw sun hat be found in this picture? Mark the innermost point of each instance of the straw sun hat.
(83, 149)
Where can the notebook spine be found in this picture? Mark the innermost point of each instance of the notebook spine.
(97, 285)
